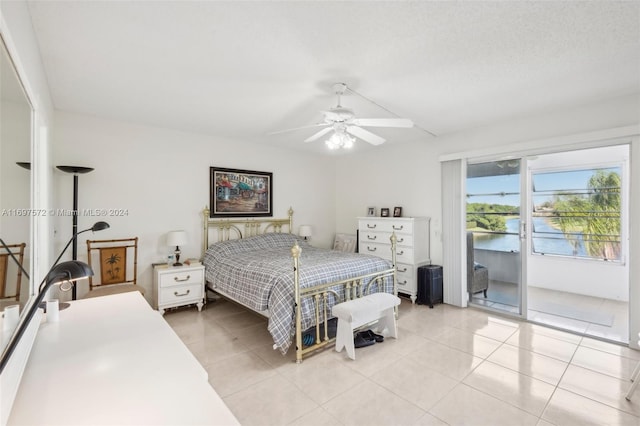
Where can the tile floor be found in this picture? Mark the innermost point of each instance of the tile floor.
(449, 366)
(593, 316)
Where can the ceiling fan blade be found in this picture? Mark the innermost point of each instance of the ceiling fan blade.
(365, 135)
(383, 122)
(319, 134)
(298, 128)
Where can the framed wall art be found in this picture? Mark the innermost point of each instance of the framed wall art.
(240, 193)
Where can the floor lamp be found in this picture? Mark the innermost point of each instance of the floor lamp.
(76, 170)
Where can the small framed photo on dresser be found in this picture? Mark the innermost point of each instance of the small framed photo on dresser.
(397, 212)
(371, 211)
(384, 212)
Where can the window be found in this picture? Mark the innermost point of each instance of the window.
(493, 205)
(577, 213)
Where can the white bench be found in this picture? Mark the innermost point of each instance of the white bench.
(358, 312)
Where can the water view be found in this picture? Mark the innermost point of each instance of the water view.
(556, 243)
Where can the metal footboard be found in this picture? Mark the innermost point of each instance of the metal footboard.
(352, 288)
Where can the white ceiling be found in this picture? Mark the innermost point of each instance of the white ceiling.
(244, 69)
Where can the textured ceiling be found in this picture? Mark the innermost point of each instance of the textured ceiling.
(245, 69)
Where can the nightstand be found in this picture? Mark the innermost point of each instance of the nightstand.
(177, 286)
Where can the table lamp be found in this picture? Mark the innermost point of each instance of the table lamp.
(177, 238)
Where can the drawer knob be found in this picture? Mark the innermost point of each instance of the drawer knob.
(371, 227)
(372, 249)
(402, 282)
(176, 279)
(175, 293)
(400, 240)
(372, 238)
(397, 228)
(400, 253)
(403, 270)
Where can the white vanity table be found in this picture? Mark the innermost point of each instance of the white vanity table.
(113, 360)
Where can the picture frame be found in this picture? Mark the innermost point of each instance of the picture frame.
(397, 212)
(384, 212)
(240, 193)
(371, 211)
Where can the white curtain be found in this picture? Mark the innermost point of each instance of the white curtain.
(453, 243)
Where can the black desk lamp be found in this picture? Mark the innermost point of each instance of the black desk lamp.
(66, 272)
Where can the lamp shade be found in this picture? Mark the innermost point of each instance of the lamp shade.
(99, 226)
(177, 238)
(70, 271)
(305, 231)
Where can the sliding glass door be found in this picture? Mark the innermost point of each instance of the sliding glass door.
(578, 255)
(547, 239)
(494, 244)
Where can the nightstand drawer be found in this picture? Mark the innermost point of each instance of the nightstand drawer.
(177, 278)
(178, 294)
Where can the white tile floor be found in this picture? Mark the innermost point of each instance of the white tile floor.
(448, 366)
(592, 316)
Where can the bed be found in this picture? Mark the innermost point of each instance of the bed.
(262, 265)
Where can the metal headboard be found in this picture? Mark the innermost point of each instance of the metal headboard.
(234, 229)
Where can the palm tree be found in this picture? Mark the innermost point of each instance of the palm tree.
(113, 260)
(594, 216)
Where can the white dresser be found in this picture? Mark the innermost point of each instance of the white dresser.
(412, 249)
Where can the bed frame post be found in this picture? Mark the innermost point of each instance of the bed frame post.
(394, 241)
(205, 235)
(295, 253)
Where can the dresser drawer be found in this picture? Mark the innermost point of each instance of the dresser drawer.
(406, 285)
(378, 225)
(177, 278)
(177, 295)
(385, 238)
(403, 254)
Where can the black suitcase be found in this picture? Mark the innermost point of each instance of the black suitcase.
(429, 285)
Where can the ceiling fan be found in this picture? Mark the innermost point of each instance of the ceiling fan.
(343, 123)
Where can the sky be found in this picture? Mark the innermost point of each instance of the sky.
(510, 185)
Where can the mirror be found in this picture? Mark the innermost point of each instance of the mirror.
(15, 183)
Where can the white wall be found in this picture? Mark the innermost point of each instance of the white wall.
(161, 178)
(403, 175)
(15, 136)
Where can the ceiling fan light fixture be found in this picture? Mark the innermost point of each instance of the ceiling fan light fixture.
(340, 140)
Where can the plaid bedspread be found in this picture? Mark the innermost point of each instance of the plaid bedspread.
(258, 272)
